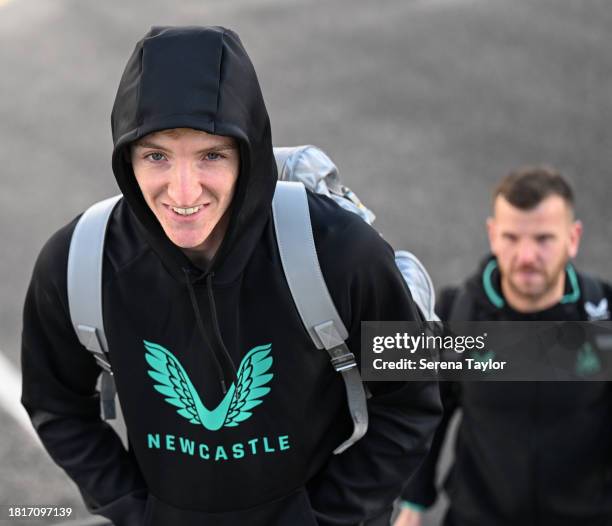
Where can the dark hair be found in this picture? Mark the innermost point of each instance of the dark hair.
(527, 187)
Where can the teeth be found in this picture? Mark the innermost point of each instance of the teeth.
(186, 211)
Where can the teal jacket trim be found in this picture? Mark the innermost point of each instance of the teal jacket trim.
(406, 505)
(495, 298)
(487, 283)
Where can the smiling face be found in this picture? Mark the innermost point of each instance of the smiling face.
(188, 178)
(532, 249)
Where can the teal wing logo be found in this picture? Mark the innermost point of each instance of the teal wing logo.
(252, 378)
(587, 361)
(172, 381)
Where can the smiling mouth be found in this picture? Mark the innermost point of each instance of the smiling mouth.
(185, 211)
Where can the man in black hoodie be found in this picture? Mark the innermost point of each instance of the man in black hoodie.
(537, 453)
(193, 290)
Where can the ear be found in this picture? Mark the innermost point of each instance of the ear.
(491, 232)
(575, 237)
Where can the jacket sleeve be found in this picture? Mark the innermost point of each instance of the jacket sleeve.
(420, 491)
(363, 482)
(59, 394)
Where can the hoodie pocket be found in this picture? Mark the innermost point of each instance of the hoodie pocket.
(291, 510)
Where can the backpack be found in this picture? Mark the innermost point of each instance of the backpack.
(313, 168)
(298, 168)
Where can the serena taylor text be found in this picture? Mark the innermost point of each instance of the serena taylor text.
(425, 364)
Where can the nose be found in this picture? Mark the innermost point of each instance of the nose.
(184, 187)
(526, 253)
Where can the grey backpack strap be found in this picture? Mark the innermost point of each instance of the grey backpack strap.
(312, 299)
(85, 292)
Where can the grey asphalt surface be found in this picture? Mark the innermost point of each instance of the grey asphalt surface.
(424, 105)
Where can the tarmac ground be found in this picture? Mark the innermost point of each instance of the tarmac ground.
(423, 104)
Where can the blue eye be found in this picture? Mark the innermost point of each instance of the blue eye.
(213, 156)
(156, 156)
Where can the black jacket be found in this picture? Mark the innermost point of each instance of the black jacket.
(274, 464)
(528, 453)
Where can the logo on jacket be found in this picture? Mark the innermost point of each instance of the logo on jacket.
(597, 312)
(173, 382)
(587, 361)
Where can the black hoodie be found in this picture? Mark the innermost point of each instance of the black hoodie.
(527, 453)
(271, 463)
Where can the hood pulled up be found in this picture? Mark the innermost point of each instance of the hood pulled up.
(199, 78)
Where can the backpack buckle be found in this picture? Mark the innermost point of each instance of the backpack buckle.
(105, 365)
(344, 361)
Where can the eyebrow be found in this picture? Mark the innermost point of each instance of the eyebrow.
(216, 147)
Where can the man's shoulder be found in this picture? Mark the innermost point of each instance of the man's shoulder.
(53, 256)
(341, 232)
(122, 243)
(594, 290)
(348, 249)
(49, 275)
(595, 280)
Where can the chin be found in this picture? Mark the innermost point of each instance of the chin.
(188, 245)
(529, 290)
(186, 242)
(532, 294)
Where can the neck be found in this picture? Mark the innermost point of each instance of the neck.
(198, 257)
(527, 304)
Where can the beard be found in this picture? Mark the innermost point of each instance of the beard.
(536, 290)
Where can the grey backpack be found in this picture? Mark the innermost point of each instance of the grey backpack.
(298, 168)
(312, 167)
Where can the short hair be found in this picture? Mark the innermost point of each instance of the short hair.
(527, 187)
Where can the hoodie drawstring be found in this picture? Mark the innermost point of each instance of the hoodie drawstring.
(216, 330)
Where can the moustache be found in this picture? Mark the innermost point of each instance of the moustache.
(527, 268)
